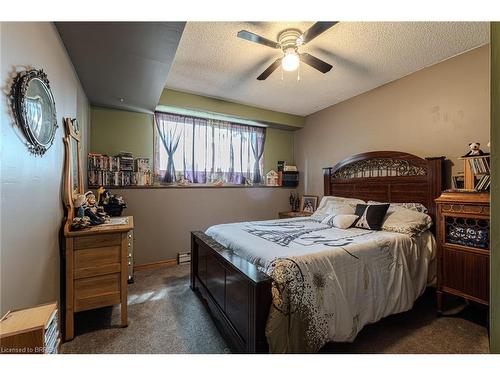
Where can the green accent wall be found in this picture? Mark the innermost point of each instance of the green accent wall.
(203, 103)
(278, 146)
(114, 130)
(495, 191)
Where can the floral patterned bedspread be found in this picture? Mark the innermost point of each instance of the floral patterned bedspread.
(328, 283)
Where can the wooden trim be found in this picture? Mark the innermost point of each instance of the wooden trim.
(154, 265)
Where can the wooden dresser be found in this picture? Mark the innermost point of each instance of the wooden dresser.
(463, 246)
(96, 262)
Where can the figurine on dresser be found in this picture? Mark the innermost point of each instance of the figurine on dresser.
(87, 212)
(113, 205)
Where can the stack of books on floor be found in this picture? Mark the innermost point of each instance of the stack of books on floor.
(104, 170)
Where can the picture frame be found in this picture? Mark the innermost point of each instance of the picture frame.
(308, 203)
(458, 181)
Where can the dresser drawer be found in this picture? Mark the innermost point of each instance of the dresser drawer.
(98, 291)
(96, 261)
(97, 240)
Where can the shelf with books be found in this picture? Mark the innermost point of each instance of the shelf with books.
(118, 171)
(477, 172)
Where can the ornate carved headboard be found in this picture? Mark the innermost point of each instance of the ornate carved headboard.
(387, 176)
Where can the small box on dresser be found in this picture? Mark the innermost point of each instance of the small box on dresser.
(30, 331)
(463, 230)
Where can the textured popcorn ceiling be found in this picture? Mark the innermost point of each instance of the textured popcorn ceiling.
(212, 61)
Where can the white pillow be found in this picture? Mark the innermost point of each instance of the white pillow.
(341, 221)
(407, 221)
(338, 200)
(332, 208)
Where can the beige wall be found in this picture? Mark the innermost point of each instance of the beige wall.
(436, 111)
(164, 217)
(31, 208)
(495, 191)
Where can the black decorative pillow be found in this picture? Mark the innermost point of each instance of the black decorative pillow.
(371, 216)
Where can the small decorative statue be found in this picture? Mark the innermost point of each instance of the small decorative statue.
(79, 202)
(474, 150)
(96, 215)
(183, 182)
(219, 182)
(294, 202)
(109, 204)
(80, 223)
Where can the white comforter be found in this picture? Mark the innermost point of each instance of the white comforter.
(328, 282)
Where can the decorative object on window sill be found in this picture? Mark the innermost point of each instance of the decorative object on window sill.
(34, 109)
(308, 203)
(183, 182)
(294, 202)
(219, 182)
(290, 179)
(272, 178)
(290, 168)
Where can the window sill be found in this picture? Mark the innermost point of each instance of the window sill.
(193, 186)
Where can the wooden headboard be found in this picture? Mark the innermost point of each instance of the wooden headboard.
(388, 176)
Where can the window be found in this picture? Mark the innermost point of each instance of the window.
(204, 150)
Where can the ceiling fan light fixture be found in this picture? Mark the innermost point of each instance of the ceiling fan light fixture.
(290, 61)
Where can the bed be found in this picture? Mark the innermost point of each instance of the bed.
(292, 285)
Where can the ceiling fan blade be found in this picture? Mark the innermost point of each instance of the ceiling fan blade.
(315, 30)
(247, 35)
(316, 63)
(266, 73)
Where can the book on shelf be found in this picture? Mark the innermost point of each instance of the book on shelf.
(484, 183)
(479, 164)
(119, 170)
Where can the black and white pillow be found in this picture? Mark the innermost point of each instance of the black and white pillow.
(371, 216)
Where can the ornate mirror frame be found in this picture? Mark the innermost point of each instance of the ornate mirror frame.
(73, 178)
(21, 110)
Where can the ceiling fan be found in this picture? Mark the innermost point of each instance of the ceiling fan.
(289, 41)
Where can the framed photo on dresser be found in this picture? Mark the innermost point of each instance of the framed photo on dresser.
(308, 203)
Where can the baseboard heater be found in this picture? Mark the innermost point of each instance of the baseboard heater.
(183, 258)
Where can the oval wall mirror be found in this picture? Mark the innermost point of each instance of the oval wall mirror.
(34, 109)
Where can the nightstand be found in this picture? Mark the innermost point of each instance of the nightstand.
(463, 230)
(290, 214)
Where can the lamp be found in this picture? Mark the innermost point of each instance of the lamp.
(290, 61)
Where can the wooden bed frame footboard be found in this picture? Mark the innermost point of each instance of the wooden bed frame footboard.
(237, 294)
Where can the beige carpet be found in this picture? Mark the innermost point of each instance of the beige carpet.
(165, 316)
